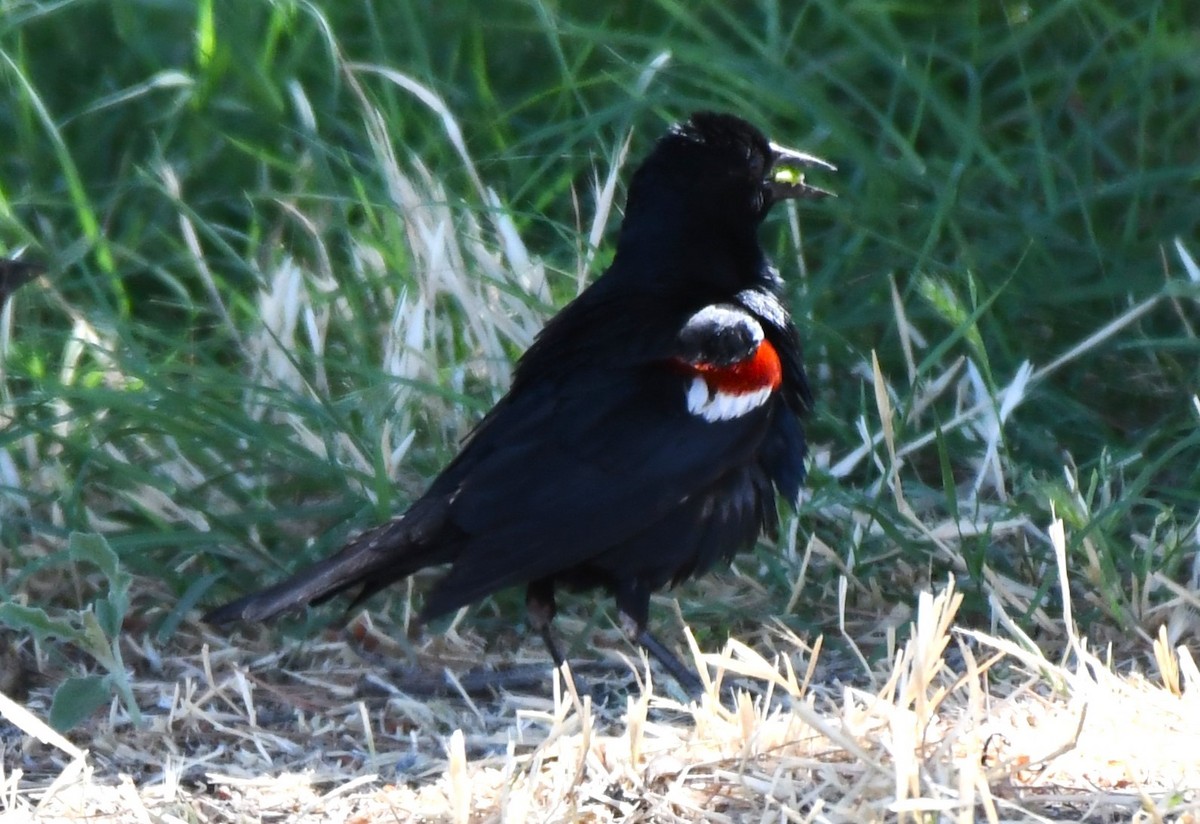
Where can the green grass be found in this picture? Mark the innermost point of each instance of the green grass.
(282, 291)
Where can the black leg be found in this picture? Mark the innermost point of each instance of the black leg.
(633, 602)
(541, 609)
(678, 670)
(551, 645)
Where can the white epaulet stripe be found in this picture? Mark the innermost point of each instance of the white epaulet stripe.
(722, 406)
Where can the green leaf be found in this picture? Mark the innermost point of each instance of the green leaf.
(92, 548)
(186, 602)
(76, 699)
(38, 622)
(948, 485)
(96, 641)
(947, 304)
(111, 608)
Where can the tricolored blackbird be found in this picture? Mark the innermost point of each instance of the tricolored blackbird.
(648, 429)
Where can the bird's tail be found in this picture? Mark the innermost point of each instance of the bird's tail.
(368, 562)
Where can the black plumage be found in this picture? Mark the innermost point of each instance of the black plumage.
(647, 430)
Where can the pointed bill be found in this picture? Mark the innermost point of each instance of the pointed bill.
(786, 175)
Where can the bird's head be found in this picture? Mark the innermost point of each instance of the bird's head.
(719, 166)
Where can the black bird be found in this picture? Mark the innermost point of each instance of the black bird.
(649, 428)
(15, 273)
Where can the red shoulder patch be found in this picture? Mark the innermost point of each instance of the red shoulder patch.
(762, 370)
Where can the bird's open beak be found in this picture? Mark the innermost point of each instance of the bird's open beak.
(786, 176)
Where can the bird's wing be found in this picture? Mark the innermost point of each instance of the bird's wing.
(583, 465)
(765, 305)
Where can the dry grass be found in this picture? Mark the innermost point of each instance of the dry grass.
(957, 725)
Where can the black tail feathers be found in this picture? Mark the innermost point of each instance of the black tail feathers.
(368, 562)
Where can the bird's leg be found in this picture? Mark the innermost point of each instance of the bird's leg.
(541, 609)
(681, 672)
(633, 603)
